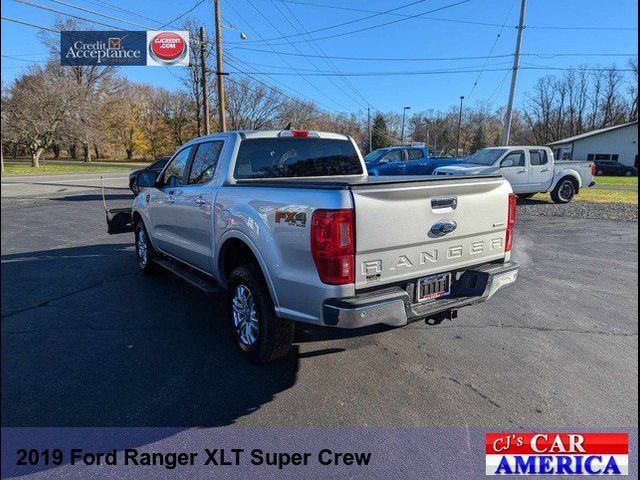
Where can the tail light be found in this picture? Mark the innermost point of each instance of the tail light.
(511, 222)
(333, 245)
(594, 169)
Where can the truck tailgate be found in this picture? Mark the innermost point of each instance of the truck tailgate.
(394, 241)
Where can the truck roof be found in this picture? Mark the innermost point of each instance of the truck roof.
(250, 134)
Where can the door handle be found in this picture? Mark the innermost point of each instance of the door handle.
(545, 170)
(522, 171)
(200, 200)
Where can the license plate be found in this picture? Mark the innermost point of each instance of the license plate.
(434, 286)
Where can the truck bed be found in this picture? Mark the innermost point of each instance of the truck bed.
(352, 182)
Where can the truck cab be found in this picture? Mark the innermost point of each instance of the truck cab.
(529, 170)
(404, 160)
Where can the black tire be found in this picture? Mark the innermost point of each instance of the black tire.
(628, 173)
(600, 173)
(146, 262)
(565, 190)
(274, 335)
(524, 196)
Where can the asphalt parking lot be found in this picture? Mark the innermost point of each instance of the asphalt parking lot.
(89, 341)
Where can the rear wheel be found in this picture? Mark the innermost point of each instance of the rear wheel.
(600, 173)
(259, 333)
(565, 191)
(627, 173)
(145, 253)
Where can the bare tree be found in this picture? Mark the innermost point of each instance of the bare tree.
(37, 109)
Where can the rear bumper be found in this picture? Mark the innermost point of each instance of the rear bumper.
(394, 306)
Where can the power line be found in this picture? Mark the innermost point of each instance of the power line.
(493, 47)
(196, 5)
(372, 27)
(420, 16)
(93, 12)
(316, 48)
(54, 10)
(434, 59)
(471, 22)
(282, 58)
(350, 22)
(435, 72)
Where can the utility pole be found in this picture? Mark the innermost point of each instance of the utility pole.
(514, 76)
(427, 127)
(204, 83)
(220, 73)
(404, 111)
(459, 127)
(369, 129)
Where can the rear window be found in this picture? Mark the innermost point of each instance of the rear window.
(296, 157)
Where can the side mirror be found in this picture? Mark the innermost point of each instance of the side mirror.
(507, 163)
(146, 179)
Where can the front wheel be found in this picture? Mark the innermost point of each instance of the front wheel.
(259, 333)
(564, 191)
(144, 250)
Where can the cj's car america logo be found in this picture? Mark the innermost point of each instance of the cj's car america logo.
(129, 48)
(557, 453)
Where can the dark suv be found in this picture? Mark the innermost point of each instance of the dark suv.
(157, 166)
(611, 167)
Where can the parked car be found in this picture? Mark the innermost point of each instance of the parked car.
(530, 170)
(293, 227)
(157, 166)
(404, 161)
(612, 167)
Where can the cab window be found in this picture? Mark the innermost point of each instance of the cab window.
(538, 157)
(415, 154)
(173, 175)
(392, 156)
(516, 157)
(204, 162)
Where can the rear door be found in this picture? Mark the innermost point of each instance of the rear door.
(394, 237)
(514, 168)
(416, 163)
(161, 201)
(193, 207)
(540, 171)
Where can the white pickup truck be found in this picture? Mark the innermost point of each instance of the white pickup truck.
(291, 225)
(529, 170)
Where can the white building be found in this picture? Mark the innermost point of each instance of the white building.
(619, 143)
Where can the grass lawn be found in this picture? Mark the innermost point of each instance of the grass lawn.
(600, 196)
(605, 180)
(79, 168)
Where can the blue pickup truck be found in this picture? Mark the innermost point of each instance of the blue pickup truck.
(404, 160)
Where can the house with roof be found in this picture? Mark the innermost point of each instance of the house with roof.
(618, 143)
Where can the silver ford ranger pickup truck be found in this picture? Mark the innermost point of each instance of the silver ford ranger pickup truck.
(291, 225)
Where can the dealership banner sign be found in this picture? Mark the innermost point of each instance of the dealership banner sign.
(125, 48)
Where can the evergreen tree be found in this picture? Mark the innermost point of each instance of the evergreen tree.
(479, 140)
(380, 132)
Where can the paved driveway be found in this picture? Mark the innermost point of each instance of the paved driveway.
(86, 340)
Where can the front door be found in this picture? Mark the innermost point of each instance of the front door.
(514, 168)
(392, 163)
(194, 207)
(540, 171)
(161, 203)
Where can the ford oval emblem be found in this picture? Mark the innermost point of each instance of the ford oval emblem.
(443, 228)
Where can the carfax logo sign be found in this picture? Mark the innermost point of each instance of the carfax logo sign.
(557, 453)
(128, 48)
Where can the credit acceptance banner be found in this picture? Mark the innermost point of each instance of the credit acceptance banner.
(124, 48)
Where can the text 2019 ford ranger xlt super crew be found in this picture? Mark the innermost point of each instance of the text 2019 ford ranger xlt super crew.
(292, 226)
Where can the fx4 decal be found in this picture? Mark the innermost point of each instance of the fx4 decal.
(298, 219)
